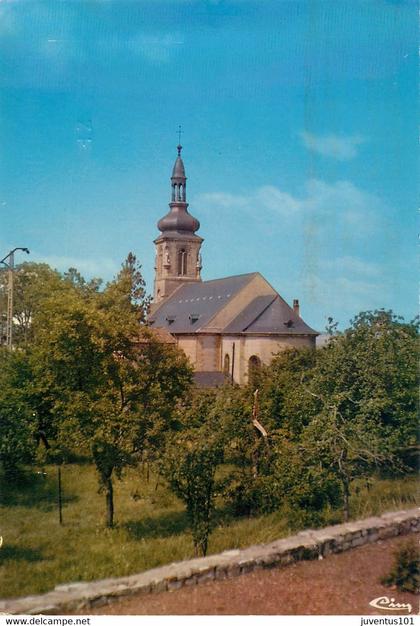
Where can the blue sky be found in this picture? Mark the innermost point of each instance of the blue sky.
(300, 146)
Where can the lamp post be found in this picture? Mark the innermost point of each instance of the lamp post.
(9, 262)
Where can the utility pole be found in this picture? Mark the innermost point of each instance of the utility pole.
(9, 262)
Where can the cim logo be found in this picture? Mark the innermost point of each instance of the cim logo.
(389, 604)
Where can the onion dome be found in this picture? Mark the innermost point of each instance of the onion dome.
(178, 220)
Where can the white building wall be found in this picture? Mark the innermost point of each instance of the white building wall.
(264, 347)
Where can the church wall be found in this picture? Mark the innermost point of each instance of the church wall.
(208, 353)
(227, 348)
(260, 346)
(266, 347)
(189, 345)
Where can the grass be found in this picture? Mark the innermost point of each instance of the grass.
(151, 529)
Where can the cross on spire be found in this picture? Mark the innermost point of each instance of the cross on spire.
(179, 147)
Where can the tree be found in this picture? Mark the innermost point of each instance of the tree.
(346, 448)
(33, 283)
(111, 385)
(248, 484)
(364, 389)
(189, 464)
(17, 423)
(283, 404)
(372, 369)
(304, 485)
(333, 415)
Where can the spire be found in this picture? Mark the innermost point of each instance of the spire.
(178, 171)
(178, 219)
(178, 258)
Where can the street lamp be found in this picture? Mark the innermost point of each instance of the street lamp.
(9, 262)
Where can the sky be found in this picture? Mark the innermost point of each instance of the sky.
(299, 123)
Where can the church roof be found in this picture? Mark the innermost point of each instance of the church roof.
(178, 169)
(275, 317)
(178, 222)
(193, 305)
(249, 314)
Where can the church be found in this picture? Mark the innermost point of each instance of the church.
(228, 326)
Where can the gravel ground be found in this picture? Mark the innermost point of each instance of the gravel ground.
(342, 584)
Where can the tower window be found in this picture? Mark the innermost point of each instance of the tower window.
(226, 365)
(182, 262)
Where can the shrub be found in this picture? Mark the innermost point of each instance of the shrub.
(253, 496)
(405, 574)
(189, 465)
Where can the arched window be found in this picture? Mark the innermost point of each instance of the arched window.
(182, 262)
(226, 365)
(254, 368)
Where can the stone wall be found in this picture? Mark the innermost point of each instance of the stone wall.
(308, 544)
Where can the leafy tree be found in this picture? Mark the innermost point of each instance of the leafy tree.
(346, 448)
(372, 369)
(111, 385)
(74, 277)
(17, 423)
(364, 393)
(35, 283)
(283, 403)
(189, 465)
(303, 485)
(248, 484)
(333, 415)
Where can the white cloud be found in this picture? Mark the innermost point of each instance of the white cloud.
(276, 200)
(339, 147)
(223, 200)
(98, 267)
(341, 201)
(341, 296)
(352, 265)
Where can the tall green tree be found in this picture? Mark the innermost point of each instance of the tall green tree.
(18, 425)
(283, 403)
(189, 464)
(364, 390)
(33, 284)
(371, 371)
(112, 387)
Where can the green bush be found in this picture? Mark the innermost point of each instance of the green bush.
(189, 465)
(405, 574)
(253, 496)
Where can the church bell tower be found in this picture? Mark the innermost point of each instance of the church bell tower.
(178, 258)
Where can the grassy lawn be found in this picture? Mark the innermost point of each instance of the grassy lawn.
(151, 529)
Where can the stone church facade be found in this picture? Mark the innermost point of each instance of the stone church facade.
(228, 326)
